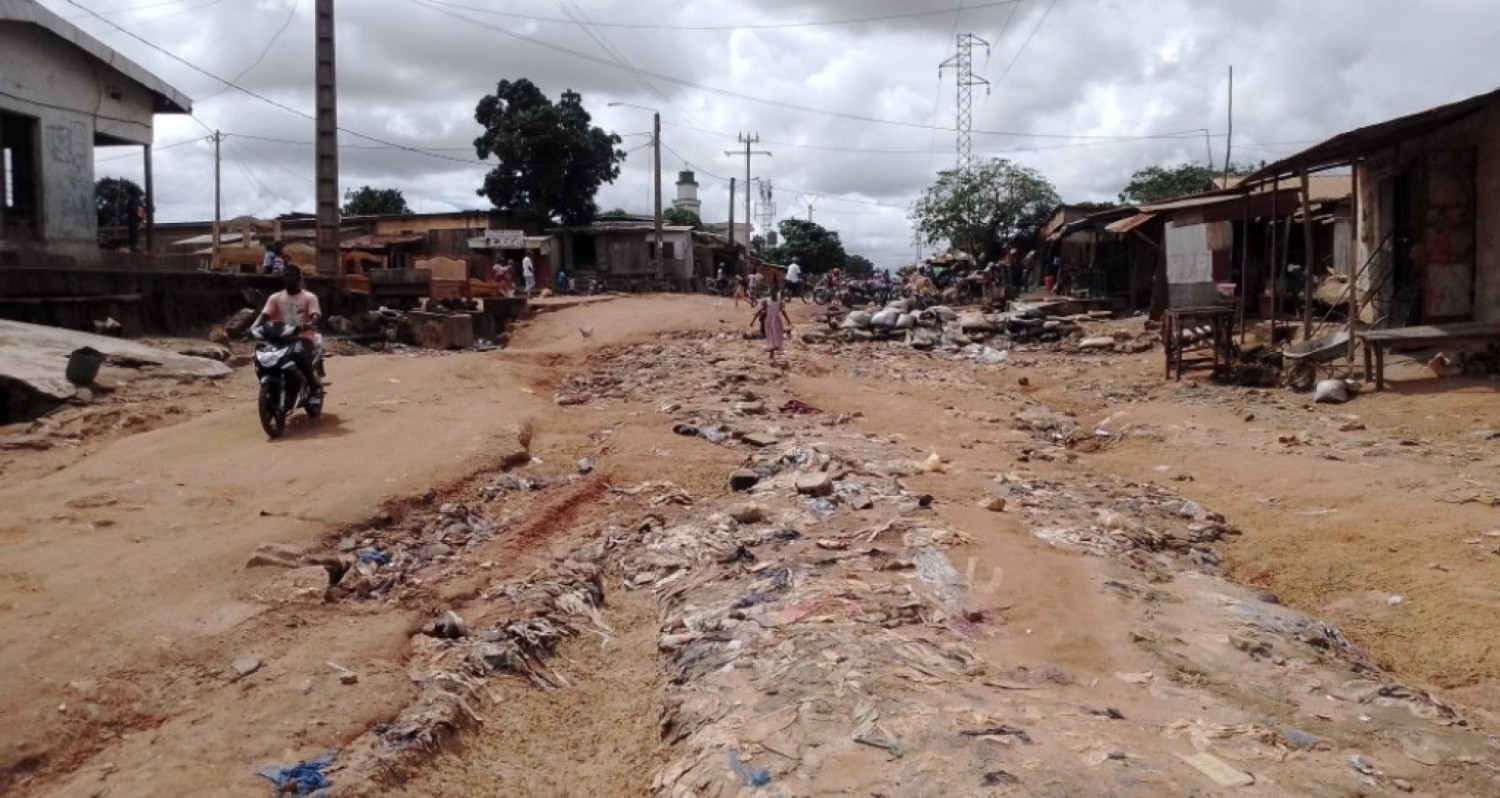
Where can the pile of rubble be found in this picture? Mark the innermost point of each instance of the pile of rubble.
(942, 327)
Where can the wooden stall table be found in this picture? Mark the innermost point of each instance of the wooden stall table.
(1185, 329)
(1375, 342)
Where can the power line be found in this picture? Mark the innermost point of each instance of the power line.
(1027, 43)
(153, 149)
(436, 5)
(727, 27)
(270, 101)
(263, 53)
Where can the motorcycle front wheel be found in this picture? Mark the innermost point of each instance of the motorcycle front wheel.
(272, 416)
(822, 295)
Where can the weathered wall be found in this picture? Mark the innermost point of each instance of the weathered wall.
(71, 95)
(150, 302)
(1428, 157)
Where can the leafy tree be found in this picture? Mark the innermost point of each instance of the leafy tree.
(1161, 183)
(977, 209)
(366, 201)
(815, 249)
(758, 243)
(682, 217)
(858, 266)
(117, 202)
(552, 160)
(615, 214)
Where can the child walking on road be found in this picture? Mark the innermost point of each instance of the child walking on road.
(772, 316)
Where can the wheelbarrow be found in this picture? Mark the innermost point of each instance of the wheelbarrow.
(1304, 360)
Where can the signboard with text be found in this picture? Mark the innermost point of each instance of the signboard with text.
(505, 239)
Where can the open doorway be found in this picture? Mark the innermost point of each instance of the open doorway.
(20, 183)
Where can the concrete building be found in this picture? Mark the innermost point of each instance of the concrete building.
(1426, 238)
(620, 254)
(63, 94)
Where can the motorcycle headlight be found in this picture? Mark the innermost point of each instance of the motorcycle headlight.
(268, 357)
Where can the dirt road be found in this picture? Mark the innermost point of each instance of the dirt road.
(126, 605)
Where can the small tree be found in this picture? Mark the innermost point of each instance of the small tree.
(552, 160)
(117, 202)
(682, 217)
(858, 266)
(1161, 183)
(975, 210)
(815, 249)
(367, 201)
(613, 214)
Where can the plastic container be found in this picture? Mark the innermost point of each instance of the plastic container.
(83, 365)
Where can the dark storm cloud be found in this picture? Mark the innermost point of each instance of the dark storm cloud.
(411, 73)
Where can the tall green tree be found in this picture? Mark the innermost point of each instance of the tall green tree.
(858, 266)
(979, 209)
(1161, 183)
(815, 249)
(117, 202)
(682, 217)
(613, 214)
(367, 201)
(552, 160)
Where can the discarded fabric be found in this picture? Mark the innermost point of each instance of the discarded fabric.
(305, 778)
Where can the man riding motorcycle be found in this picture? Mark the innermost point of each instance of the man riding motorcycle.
(298, 307)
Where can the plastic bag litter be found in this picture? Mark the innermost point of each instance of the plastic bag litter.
(857, 320)
(1335, 392)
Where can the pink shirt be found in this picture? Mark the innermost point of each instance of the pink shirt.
(295, 310)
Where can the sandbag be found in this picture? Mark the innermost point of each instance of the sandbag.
(856, 320)
(906, 321)
(885, 318)
(944, 312)
(975, 323)
(1332, 392)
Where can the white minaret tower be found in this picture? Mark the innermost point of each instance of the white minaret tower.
(687, 193)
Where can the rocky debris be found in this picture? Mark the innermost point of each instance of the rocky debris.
(759, 440)
(747, 514)
(817, 484)
(34, 359)
(448, 627)
(215, 352)
(244, 666)
(743, 480)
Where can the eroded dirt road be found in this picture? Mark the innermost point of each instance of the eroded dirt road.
(127, 604)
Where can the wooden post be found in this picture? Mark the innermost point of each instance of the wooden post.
(1273, 261)
(1307, 255)
(150, 201)
(1244, 283)
(1353, 254)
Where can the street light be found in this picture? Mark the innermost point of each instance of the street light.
(656, 150)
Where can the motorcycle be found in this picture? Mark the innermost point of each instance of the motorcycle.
(282, 387)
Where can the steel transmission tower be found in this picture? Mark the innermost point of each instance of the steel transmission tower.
(963, 62)
(765, 211)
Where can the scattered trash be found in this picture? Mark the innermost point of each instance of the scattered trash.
(302, 779)
(998, 778)
(1190, 509)
(244, 666)
(1395, 599)
(585, 465)
(752, 776)
(1365, 766)
(795, 407)
(449, 627)
(1003, 730)
(1331, 392)
(1219, 771)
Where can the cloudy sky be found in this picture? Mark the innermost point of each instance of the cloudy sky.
(845, 94)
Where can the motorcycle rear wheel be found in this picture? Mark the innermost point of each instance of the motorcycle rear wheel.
(272, 417)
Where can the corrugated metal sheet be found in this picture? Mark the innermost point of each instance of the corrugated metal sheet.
(1129, 223)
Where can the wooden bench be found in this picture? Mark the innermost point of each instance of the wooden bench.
(1375, 342)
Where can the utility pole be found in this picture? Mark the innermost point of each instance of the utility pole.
(963, 61)
(1229, 139)
(656, 150)
(218, 197)
(747, 139)
(326, 138)
(733, 255)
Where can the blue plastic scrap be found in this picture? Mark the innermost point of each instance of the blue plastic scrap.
(305, 778)
(753, 776)
(377, 557)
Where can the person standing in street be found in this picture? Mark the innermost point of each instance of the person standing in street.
(794, 279)
(528, 274)
(771, 315)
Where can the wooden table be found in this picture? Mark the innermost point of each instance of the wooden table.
(1377, 341)
(1216, 328)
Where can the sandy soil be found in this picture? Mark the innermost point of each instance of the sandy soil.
(124, 596)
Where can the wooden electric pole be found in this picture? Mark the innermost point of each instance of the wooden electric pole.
(326, 139)
(747, 139)
(218, 197)
(656, 150)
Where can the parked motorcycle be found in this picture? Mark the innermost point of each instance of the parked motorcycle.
(283, 389)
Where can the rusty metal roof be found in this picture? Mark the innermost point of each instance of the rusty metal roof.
(379, 241)
(1345, 147)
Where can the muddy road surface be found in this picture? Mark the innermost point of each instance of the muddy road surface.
(629, 556)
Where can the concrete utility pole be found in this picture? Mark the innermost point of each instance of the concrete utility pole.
(218, 197)
(326, 138)
(1229, 139)
(732, 254)
(747, 139)
(963, 61)
(656, 150)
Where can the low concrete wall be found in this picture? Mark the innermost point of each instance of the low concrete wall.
(167, 303)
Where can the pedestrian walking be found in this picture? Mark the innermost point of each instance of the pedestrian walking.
(739, 290)
(528, 274)
(773, 319)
